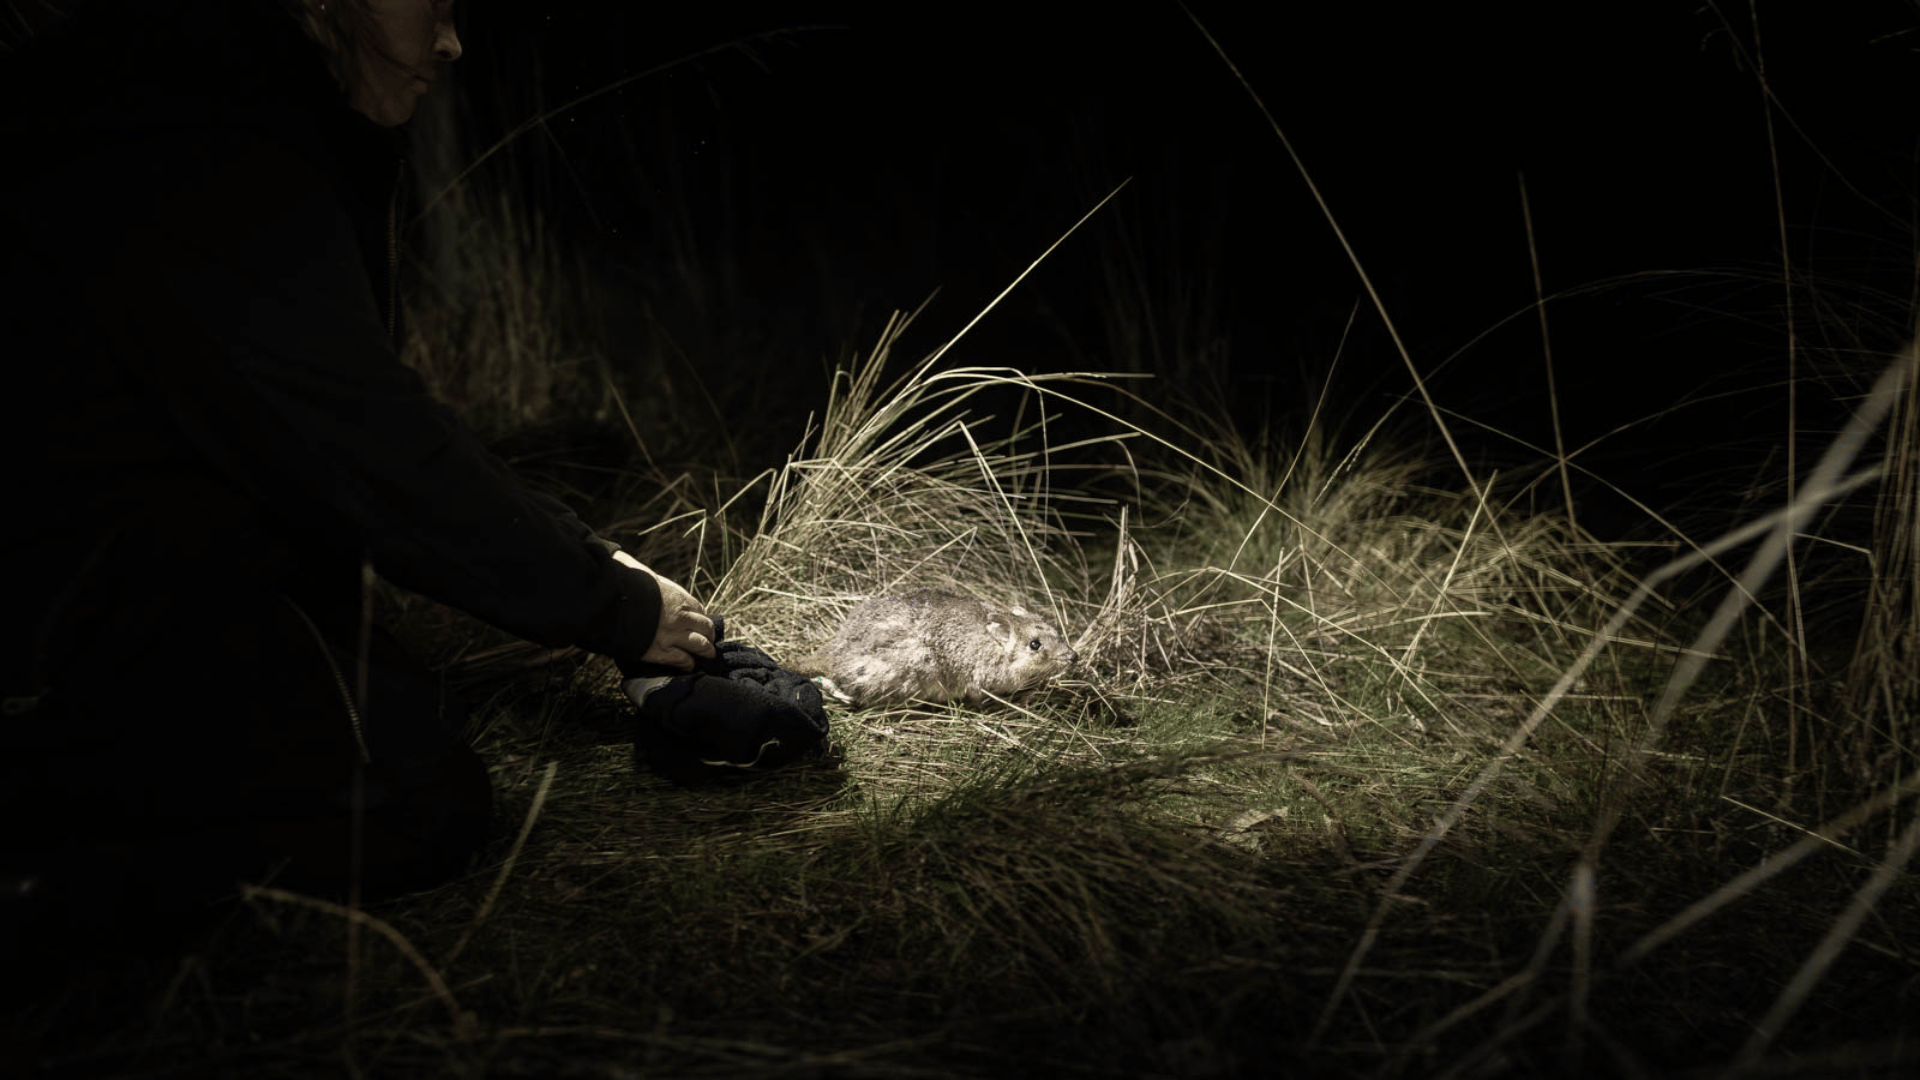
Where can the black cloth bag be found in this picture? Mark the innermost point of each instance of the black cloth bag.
(734, 717)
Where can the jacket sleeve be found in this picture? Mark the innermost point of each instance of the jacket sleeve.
(233, 289)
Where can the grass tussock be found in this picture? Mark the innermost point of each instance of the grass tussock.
(910, 485)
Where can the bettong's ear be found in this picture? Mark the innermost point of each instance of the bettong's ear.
(999, 626)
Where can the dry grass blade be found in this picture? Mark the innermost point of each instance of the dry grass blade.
(1774, 864)
(1546, 349)
(1794, 994)
(540, 120)
(1353, 259)
(506, 868)
(1425, 1037)
(1881, 679)
(1826, 483)
(462, 1020)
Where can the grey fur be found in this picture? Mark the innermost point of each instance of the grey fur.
(940, 646)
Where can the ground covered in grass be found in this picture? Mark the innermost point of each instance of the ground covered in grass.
(1360, 775)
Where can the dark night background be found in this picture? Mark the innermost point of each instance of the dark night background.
(861, 157)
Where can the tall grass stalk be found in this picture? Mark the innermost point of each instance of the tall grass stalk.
(1826, 483)
(1883, 680)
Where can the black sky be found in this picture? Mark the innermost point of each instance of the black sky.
(862, 156)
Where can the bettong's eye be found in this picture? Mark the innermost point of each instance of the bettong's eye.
(1034, 644)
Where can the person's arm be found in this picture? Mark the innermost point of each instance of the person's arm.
(686, 630)
(236, 295)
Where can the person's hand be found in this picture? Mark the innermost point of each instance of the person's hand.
(685, 629)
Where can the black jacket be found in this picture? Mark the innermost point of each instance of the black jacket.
(197, 236)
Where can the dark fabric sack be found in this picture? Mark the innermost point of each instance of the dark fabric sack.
(734, 717)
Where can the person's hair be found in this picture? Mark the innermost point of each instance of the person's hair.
(345, 30)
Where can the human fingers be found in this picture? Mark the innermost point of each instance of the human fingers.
(669, 656)
(691, 630)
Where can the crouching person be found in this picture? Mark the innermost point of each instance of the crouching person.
(209, 439)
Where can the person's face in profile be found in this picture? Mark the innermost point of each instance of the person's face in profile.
(390, 74)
